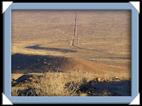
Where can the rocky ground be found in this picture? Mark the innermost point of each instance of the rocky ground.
(22, 86)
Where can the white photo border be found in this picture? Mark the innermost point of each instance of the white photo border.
(71, 99)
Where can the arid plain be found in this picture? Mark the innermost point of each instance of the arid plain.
(71, 53)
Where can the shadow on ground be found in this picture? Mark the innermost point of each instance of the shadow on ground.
(64, 50)
(37, 63)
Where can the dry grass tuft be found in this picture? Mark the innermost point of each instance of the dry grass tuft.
(54, 84)
(70, 84)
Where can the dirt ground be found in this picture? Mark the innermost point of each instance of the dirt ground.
(41, 42)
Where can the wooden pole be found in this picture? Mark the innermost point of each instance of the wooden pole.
(75, 31)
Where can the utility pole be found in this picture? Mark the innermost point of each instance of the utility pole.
(75, 35)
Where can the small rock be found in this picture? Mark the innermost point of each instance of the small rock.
(23, 78)
(98, 79)
(27, 92)
(116, 78)
(45, 62)
(14, 83)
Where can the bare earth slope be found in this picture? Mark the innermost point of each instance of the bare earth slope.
(41, 42)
